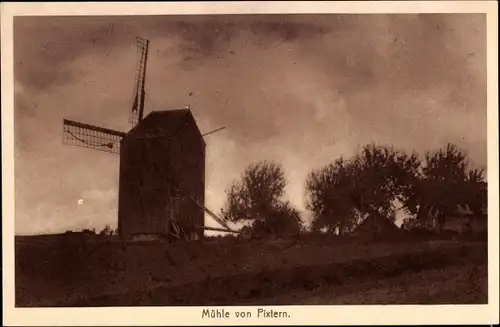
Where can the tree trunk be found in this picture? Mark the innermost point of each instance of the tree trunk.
(422, 216)
(441, 219)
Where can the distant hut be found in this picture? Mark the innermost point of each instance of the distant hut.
(463, 220)
(376, 226)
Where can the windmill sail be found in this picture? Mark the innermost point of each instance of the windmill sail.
(90, 136)
(140, 81)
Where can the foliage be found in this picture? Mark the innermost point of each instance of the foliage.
(476, 194)
(447, 182)
(283, 221)
(256, 199)
(385, 175)
(330, 196)
(409, 224)
(344, 192)
(107, 231)
(256, 194)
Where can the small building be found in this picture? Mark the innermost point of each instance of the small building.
(162, 176)
(464, 220)
(376, 226)
(464, 223)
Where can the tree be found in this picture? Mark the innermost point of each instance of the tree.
(448, 182)
(256, 199)
(476, 195)
(385, 175)
(343, 193)
(409, 224)
(107, 231)
(330, 193)
(283, 221)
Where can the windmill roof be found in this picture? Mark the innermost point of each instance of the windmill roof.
(164, 122)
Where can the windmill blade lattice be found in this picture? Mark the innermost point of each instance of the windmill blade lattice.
(90, 136)
(139, 93)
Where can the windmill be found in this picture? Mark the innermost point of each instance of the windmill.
(162, 165)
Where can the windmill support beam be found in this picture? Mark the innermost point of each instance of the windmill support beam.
(218, 229)
(213, 215)
(200, 205)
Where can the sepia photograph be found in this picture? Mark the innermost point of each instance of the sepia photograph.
(252, 160)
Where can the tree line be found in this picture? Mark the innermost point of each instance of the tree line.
(343, 193)
(106, 231)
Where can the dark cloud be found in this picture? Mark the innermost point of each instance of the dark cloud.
(284, 30)
(204, 39)
(55, 41)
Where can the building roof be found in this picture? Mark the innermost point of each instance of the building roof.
(466, 211)
(164, 123)
(376, 222)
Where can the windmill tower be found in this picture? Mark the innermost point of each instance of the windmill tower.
(162, 166)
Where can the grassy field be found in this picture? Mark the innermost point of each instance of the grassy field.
(464, 284)
(232, 272)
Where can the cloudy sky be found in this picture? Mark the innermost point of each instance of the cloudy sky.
(301, 90)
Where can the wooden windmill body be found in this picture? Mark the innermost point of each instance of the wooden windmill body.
(165, 150)
(162, 167)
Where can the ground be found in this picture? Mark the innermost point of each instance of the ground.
(465, 284)
(236, 272)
